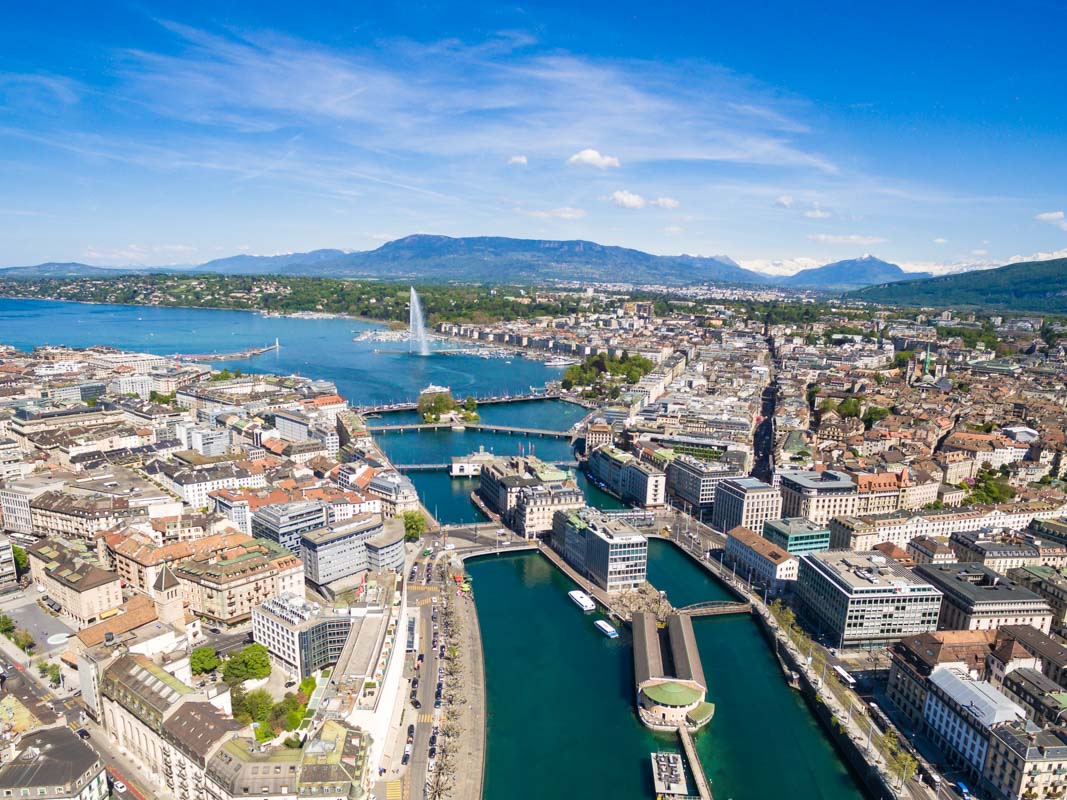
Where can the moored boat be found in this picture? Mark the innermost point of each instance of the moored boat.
(606, 629)
(582, 600)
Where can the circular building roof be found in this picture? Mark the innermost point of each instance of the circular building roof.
(673, 694)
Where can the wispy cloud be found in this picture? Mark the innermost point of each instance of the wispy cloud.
(817, 213)
(1056, 218)
(784, 201)
(520, 160)
(849, 238)
(940, 240)
(565, 212)
(627, 199)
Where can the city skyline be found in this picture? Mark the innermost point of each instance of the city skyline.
(159, 136)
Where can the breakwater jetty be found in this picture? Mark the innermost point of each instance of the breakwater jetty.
(251, 352)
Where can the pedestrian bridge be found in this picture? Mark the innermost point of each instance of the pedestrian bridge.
(716, 608)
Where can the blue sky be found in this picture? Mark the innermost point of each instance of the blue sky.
(782, 135)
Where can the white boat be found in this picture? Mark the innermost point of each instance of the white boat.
(582, 600)
(561, 362)
(606, 629)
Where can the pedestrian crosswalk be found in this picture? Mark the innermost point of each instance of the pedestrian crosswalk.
(420, 587)
(393, 791)
(425, 717)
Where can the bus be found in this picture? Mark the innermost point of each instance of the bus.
(846, 679)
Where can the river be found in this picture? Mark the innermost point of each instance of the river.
(560, 695)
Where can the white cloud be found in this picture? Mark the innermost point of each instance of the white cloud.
(851, 238)
(979, 252)
(1056, 218)
(518, 160)
(817, 213)
(940, 240)
(672, 230)
(784, 201)
(625, 199)
(566, 212)
(666, 202)
(593, 158)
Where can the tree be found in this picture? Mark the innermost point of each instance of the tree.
(258, 705)
(873, 415)
(414, 526)
(849, 407)
(7, 625)
(22, 561)
(250, 664)
(203, 659)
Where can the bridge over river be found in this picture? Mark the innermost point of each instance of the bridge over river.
(472, 426)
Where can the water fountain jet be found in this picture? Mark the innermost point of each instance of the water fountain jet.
(417, 341)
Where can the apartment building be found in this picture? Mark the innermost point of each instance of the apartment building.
(914, 658)
(692, 483)
(797, 536)
(60, 514)
(55, 764)
(536, 506)
(761, 561)
(627, 477)
(818, 496)
(226, 585)
(977, 598)
(285, 523)
(1050, 584)
(746, 503)
(1027, 763)
(960, 715)
(851, 532)
(302, 637)
(864, 600)
(79, 590)
(606, 550)
(928, 550)
(337, 553)
(396, 492)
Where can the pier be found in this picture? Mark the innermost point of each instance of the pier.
(251, 352)
(703, 789)
(511, 430)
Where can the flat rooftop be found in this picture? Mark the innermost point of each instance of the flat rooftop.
(861, 571)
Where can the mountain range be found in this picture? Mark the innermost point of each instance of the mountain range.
(424, 257)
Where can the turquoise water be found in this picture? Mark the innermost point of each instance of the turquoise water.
(560, 696)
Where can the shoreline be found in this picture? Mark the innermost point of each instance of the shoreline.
(260, 311)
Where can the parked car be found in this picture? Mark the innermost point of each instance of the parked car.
(415, 683)
(416, 704)
(83, 733)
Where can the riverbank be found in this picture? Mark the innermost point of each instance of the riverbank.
(841, 725)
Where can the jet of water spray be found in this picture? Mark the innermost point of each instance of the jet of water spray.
(417, 341)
